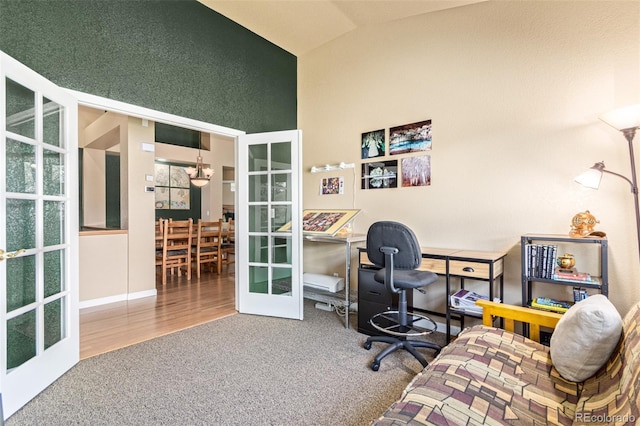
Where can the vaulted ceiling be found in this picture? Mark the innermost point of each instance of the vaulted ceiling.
(299, 26)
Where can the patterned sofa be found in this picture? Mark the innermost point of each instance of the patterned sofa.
(495, 377)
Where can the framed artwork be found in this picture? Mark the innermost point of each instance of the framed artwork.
(380, 174)
(334, 185)
(416, 171)
(162, 174)
(162, 198)
(179, 198)
(324, 222)
(373, 144)
(410, 138)
(178, 178)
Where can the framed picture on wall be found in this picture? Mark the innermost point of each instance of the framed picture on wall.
(416, 171)
(410, 138)
(373, 144)
(332, 185)
(380, 174)
(178, 178)
(162, 174)
(180, 198)
(162, 198)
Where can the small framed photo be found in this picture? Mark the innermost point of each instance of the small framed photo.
(373, 144)
(333, 185)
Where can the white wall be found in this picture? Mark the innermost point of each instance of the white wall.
(514, 90)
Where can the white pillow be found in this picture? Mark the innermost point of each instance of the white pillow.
(585, 337)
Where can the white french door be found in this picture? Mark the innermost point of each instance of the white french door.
(269, 226)
(38, 233)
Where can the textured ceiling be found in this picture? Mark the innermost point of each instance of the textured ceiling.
(299, 26)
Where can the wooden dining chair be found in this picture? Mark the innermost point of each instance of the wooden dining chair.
(206, 250)
(159, 241)
(176, 248)
(227, 244)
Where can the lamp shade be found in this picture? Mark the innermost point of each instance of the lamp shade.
(623, 118)
(592, 177)
(199, 175)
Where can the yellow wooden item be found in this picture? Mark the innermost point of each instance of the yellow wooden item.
(512, 314)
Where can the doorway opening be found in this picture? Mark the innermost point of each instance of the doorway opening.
(99, 174)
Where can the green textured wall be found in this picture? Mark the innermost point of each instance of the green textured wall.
(176, 56)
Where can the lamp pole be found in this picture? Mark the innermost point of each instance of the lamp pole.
(629, 135)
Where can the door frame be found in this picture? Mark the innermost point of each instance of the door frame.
(143, 113)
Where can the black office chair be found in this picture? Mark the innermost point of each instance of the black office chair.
(394, 247)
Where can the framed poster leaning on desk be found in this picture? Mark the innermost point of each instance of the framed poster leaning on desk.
(324, 222)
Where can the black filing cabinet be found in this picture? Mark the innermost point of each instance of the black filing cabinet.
(373, 297)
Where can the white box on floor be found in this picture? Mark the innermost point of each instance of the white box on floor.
(323, 282)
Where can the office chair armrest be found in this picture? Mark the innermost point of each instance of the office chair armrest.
(512, 314)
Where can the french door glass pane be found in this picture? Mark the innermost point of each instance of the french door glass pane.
(258, 158)
(21, 339)
(258, 249)
(282, 250)
(21, 224)
(281, 187)
(53, 223)
(281, 217)
(258, 216)
(258, 279)
(53, 173)
(282, 281)
(21, 282)
(281, 156)
(21, 166)
(54, 329)
(53, 272)
(258, 188)
(52, 122)
(20, 109)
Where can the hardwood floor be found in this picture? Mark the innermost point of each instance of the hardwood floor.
(180, 304)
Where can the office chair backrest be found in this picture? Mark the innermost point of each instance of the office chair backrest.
(393, 234)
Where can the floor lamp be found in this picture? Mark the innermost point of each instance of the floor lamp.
(626, 120)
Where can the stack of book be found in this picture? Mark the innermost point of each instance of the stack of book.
(574, 276)
(579, 294)
(548, 304)
(465, 300)
(540, 260)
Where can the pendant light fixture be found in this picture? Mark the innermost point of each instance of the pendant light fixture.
(199, 175)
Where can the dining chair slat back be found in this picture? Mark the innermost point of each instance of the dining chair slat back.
(207, 245)
(176, 248)
(227, 244)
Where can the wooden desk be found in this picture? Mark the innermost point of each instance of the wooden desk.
(462, 264)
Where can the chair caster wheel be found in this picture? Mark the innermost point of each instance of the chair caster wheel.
(375, 366)
(367, 345)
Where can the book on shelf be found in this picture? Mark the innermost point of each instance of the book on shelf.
(579, 294)
(540, 260)
(549, 304)
(574, 276)
(466, 300)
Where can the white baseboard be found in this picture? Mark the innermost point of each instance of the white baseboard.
(117, 298)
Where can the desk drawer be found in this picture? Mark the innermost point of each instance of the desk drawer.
(439, 266)
(463, 268)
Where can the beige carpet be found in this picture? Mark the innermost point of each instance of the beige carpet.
(239, 370)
